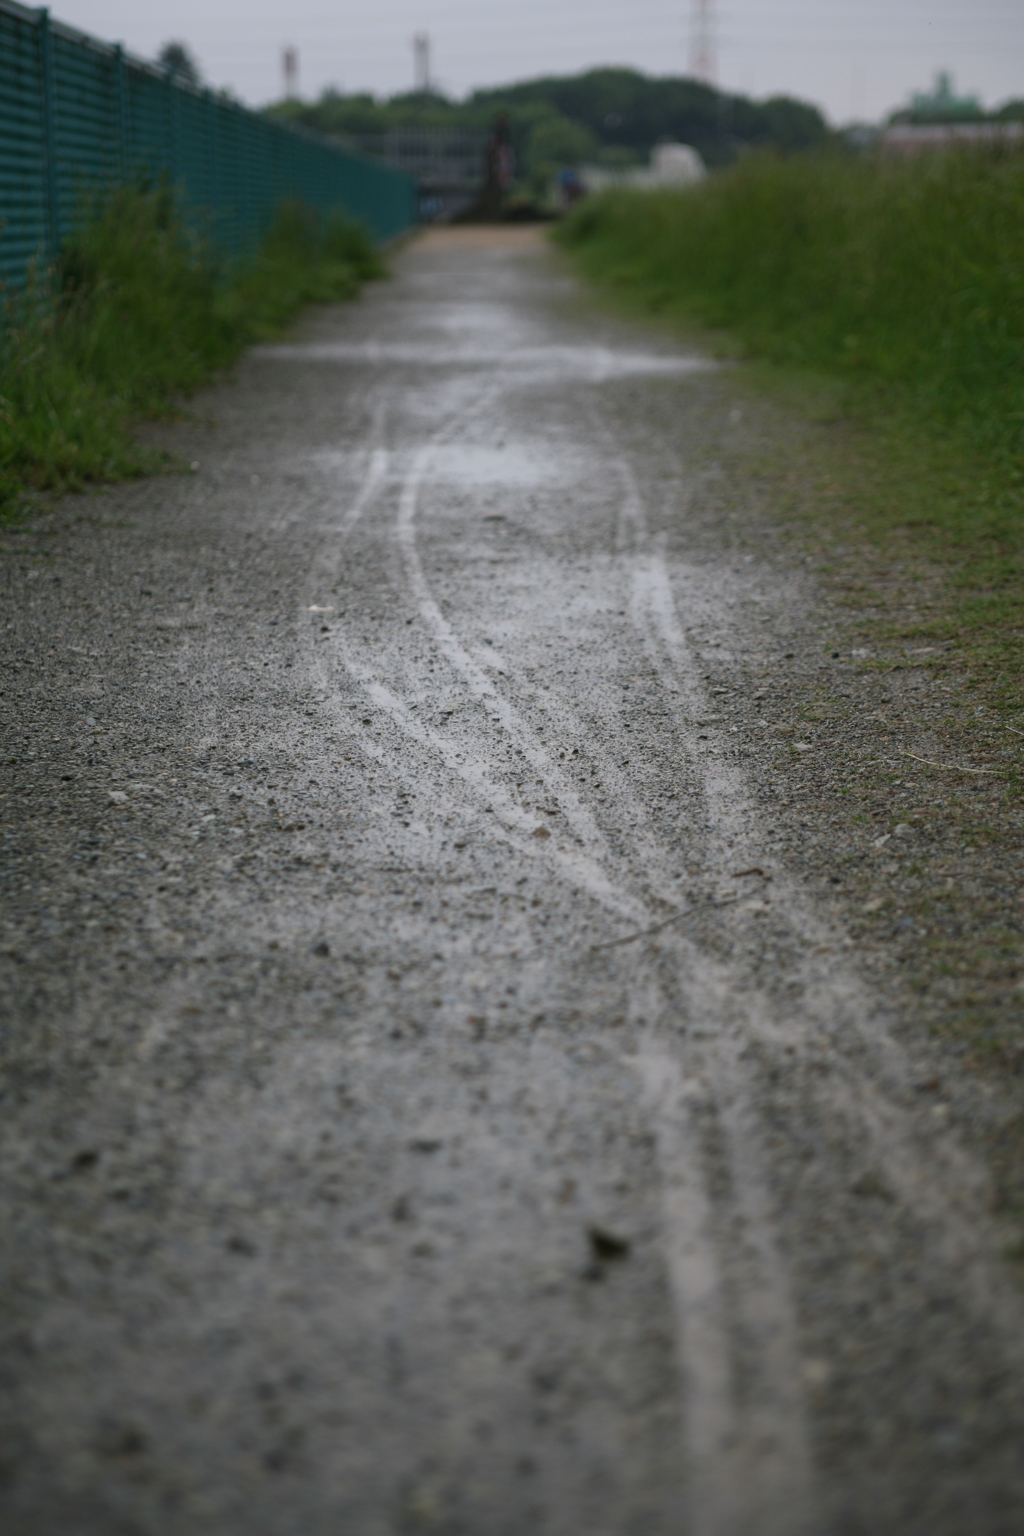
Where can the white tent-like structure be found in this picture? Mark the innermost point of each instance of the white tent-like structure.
(671, 165)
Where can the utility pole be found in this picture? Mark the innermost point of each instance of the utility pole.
(290, 69)
(702, 42)
(421, 61)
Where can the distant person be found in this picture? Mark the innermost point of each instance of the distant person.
(570, 186)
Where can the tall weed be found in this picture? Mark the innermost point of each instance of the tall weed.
(904, 280)
(905, 273)
(138, 312)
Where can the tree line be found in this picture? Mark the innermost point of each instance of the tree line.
(611, 116)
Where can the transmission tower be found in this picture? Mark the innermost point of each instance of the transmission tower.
(421, 61)
(290, 70)
(702, 42)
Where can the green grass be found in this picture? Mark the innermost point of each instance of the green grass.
(892, 294)
(138, 313)
(906, 272)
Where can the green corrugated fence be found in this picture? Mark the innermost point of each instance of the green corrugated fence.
(77, 115)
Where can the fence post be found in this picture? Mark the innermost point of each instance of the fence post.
(211, 147)
(49, 106)
(121, 89)
(172, 126)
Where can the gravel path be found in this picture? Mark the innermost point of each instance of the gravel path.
(442, 1087)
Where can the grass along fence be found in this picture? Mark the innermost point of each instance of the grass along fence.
(141, 311)
(119, 298)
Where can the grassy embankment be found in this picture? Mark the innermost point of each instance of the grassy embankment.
(137, 314)
(892, 294)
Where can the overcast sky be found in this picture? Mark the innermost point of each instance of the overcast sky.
(855, 58)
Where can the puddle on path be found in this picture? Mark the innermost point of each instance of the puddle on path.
(594, 363)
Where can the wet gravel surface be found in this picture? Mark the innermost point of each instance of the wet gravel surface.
(460, 1071)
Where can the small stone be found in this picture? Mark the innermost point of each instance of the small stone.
(117, 1440)
(815, 1373)
(607, 1246)
(870, 1186)
(540, 832)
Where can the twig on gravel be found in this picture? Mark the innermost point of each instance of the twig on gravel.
(1015, 731)
(951, 767)
(647, 933)
(969, 874)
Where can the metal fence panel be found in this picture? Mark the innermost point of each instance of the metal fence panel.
(77, 116)
(23, 198)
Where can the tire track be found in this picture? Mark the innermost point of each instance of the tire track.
(584, 870)
(932, 1177)
(719, 1435)
(749, 1459)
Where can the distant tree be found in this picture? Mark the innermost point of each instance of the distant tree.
(363, 113)
(555, 141)
(616, 157)
(559, 140)
(179, 62)
(793, 125)
(625, 107)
